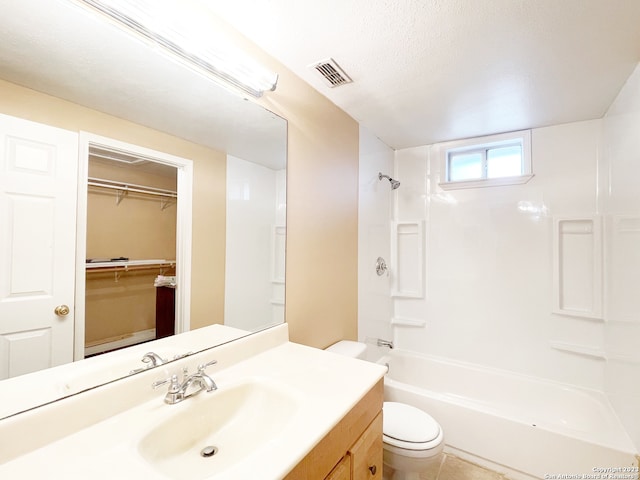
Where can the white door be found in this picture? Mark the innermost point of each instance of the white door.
(38, 195)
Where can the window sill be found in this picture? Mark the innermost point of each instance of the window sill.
(491, 182)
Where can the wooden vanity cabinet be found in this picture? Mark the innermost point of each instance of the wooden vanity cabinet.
(352, 450)
(342, 471)
(366, 453)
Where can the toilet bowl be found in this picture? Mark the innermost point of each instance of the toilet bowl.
(412, 439)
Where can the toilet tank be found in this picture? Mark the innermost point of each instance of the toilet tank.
(348, 348)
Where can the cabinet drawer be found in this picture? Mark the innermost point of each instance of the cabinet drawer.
(342, 471)
(366, 453)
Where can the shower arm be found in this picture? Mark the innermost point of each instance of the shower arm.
(394, 183)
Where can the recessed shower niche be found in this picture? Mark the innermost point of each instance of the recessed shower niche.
(577, 258)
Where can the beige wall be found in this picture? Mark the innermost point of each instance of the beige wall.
(137, 227)
(207, 299)
(322, 215)
(118, 309)
(322, 212)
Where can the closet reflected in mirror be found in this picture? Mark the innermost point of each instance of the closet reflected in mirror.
(134, 245)
(131, 251)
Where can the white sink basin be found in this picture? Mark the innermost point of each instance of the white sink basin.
(275, 401)
(236, 420)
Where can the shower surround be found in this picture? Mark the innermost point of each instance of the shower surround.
(534, 278)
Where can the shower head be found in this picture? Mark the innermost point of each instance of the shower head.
(394, 183)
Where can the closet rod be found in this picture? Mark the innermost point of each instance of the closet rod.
(131, 187)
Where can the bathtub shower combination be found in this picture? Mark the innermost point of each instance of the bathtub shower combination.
(523, 426)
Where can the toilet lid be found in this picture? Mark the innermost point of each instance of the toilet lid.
(408, 424)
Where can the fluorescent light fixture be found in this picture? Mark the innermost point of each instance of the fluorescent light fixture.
(170, 25)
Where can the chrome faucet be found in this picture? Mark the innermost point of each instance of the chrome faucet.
(153, 359)
(178, 390)
(384, 343)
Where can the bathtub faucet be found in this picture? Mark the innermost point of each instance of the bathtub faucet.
(385, 343)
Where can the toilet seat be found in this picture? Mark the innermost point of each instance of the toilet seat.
(409, 428)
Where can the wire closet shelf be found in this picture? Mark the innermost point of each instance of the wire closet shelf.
(168, 197)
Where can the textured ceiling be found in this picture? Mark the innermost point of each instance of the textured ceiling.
(431, 70)
(59, 48)
(424, 70)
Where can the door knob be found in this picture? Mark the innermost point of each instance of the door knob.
(62, 310)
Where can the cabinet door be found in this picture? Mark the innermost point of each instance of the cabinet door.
(342, 471)
(366, 453)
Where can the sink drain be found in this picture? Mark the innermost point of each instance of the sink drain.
(209, 451)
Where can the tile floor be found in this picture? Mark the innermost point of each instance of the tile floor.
(454, 468)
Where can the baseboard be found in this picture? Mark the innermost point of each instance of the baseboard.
(120, 342)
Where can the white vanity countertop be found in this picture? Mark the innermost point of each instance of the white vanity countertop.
(37, 388)
(323, 386)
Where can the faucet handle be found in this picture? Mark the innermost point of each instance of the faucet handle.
(202, 366)
(173, 379)
(178, 356)
(159, 383)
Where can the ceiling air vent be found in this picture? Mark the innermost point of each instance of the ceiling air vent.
(333, 75)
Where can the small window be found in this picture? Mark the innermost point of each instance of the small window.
(465, 166)
(503, 159)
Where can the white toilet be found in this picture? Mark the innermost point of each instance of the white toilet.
(412, 439)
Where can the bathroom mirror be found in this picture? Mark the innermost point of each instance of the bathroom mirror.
(59, 49)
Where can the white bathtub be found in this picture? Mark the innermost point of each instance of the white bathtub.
(522, 426)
